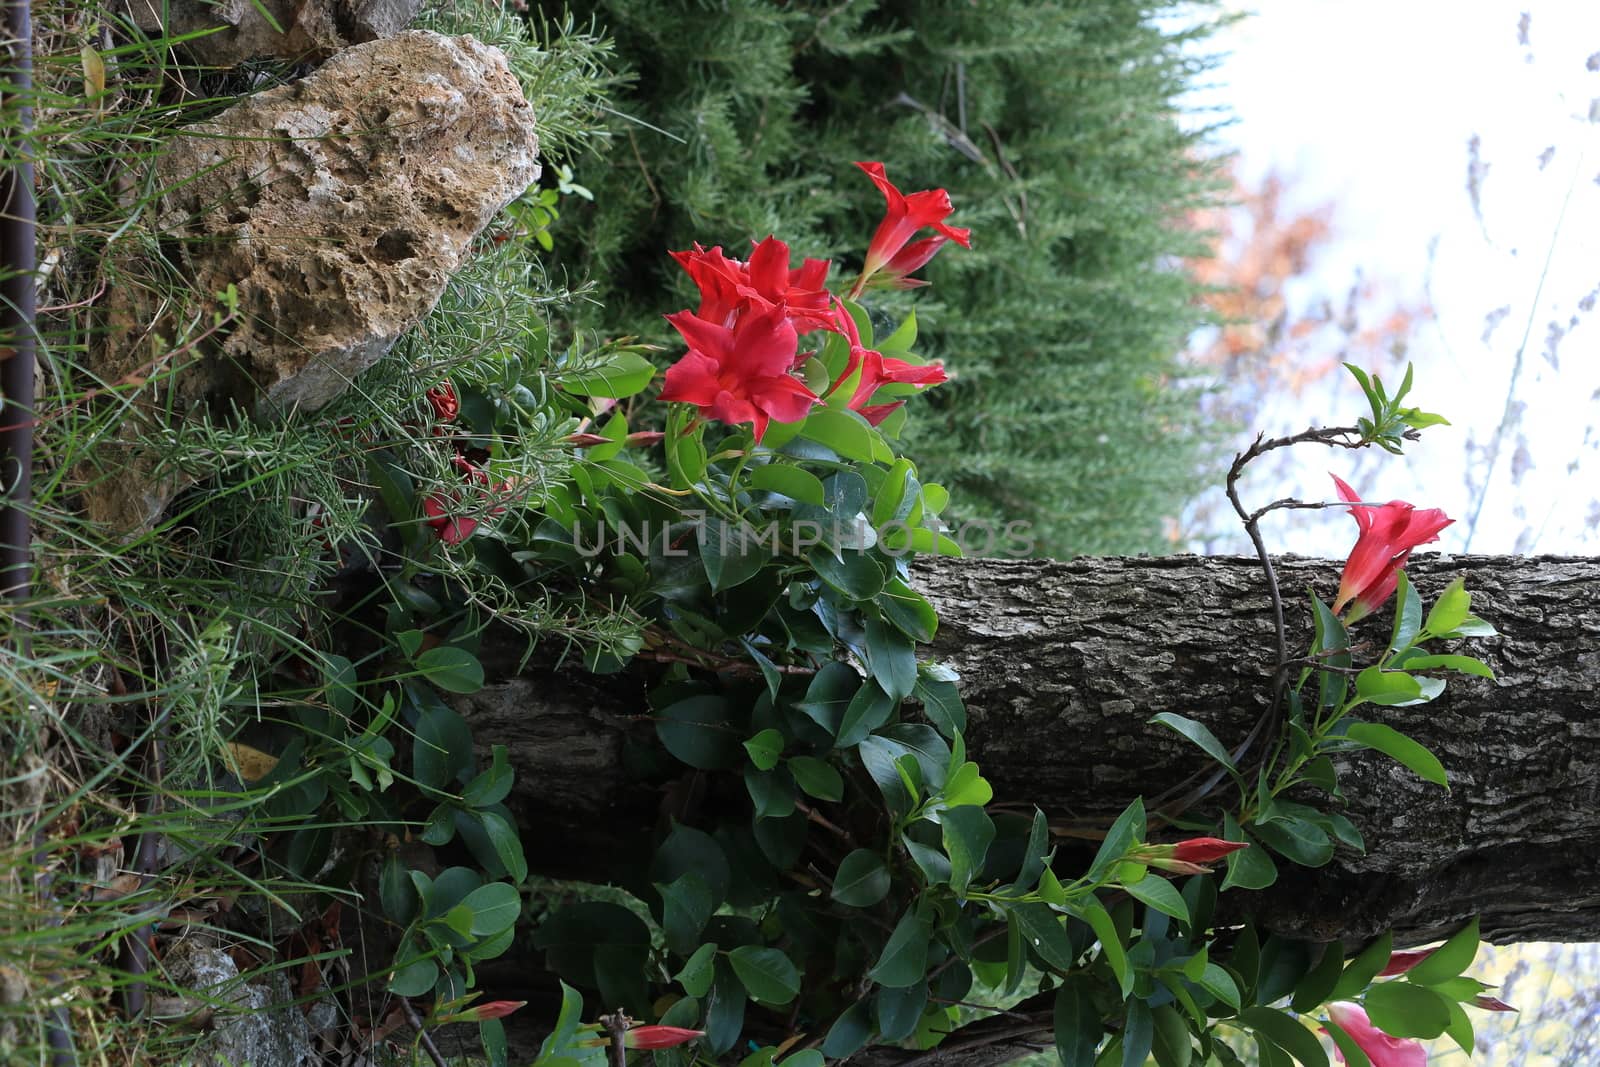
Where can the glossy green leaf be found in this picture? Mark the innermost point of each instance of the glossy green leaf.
(1200, 735)
(767, 973)
(1287, 1034)
(904, 959)
(1464, 664)
(790, 481)
(851, 572)
(908, 610)
(1312, 990)
(1161, 895)
(1099, 920)
(1126, 832)
(941, 703)
(1407, 613)
(966, 786)
(849, 1032)
(1451, 609)
(1449, 959)
(862, 879)
(686, 907)
(869, 709)
(1403, 1009)
(697, 972)
(1402, 749)
(817, 777)
(1172, 1047)
(846, 432)
(495, 907)
(891, 658)
(1220, 984)
(1300, 840)
(1138, 1034)
(765, 749)
(621, 374)
(1354, 1055)
(968, 832)
(1078, 1027)
(1363, 969)
(698, 732)
(898, 1010)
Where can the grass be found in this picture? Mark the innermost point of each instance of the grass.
(149, 653)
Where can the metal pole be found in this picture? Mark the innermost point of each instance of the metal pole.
(16, 311)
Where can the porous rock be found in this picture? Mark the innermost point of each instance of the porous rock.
(340, 205)
(232, 31)
(255, 1019)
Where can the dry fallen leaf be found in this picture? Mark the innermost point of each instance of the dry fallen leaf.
(251, 764)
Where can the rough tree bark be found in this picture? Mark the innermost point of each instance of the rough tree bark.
(1064, 663)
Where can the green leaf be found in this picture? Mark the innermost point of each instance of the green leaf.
(495, 907)
(1353, 1054)
(817, 777)
(1299, 839)
(1460, 1028)
(455, 670)
(862, 879)
(1333, 644)
(1099, 920)
(1200, 735)
(844, 431)
(690, 851)
(966, 786)
(697, 972)
(1287, 1034)
(698, 732)
(442, 747)
(968, 832)
(731, 553)
(1388, 688)
(1407, 613)
(904, 336)
(1172, 1045)
(1124, 834)
(790, 481)
(1078, 1027)
(767, 974)
(1473, 627)
(904, 959)
(1220, 984)
(849, 1032)
(829, 695)
(622, 374)
(941, 703)
(1312, 990)
(686, 907)
(724, 1011)
(1359, 972)
(1449, 959)
(909, 610)
(1464, 664)
(1452, 608)
(851, 572)
(1402, 749)
(492, 785)
(765, 749)
(1138, 1034)
(898, 1010)
(892, 659)
(505, 841)
(414, 979)
(869, 709)
(1403, 1009)
(1161, 895)
(1041, 929)
(1248, 868)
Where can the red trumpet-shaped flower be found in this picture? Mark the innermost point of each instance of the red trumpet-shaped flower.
(741, 374)
(1381, 1049)
(1388, 534)
(442, 399)
(904, 217)
(1187, 857)
(652, 1037)
(877, 370)
(729, 288)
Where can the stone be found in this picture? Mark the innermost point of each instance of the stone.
(339, 206)
(254, 1019)
(306, 30)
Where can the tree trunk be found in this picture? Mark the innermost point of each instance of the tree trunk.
(1064, 663)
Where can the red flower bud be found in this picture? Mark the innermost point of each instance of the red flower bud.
(494, 1009)
(1205, 849)
(1401, 962)
(1488, 1003)
(586, 440)
(651, 1037)
(643, 438)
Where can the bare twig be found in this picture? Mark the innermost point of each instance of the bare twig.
(423, 1037)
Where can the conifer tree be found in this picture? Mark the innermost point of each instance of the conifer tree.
(1054, 125)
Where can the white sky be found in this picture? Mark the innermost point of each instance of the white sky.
(1371, 106)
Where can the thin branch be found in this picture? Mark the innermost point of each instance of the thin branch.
(423, 1037)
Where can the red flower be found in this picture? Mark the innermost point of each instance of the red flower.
(1381, 1049)
(904, 217)
(1388, 534)
(652, 1037)
(1205, 849)
(728, 287)
(741, 374)
(1401, 962)
(442, 398)
(452, 529)
(494, 1009)
(877, 370)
